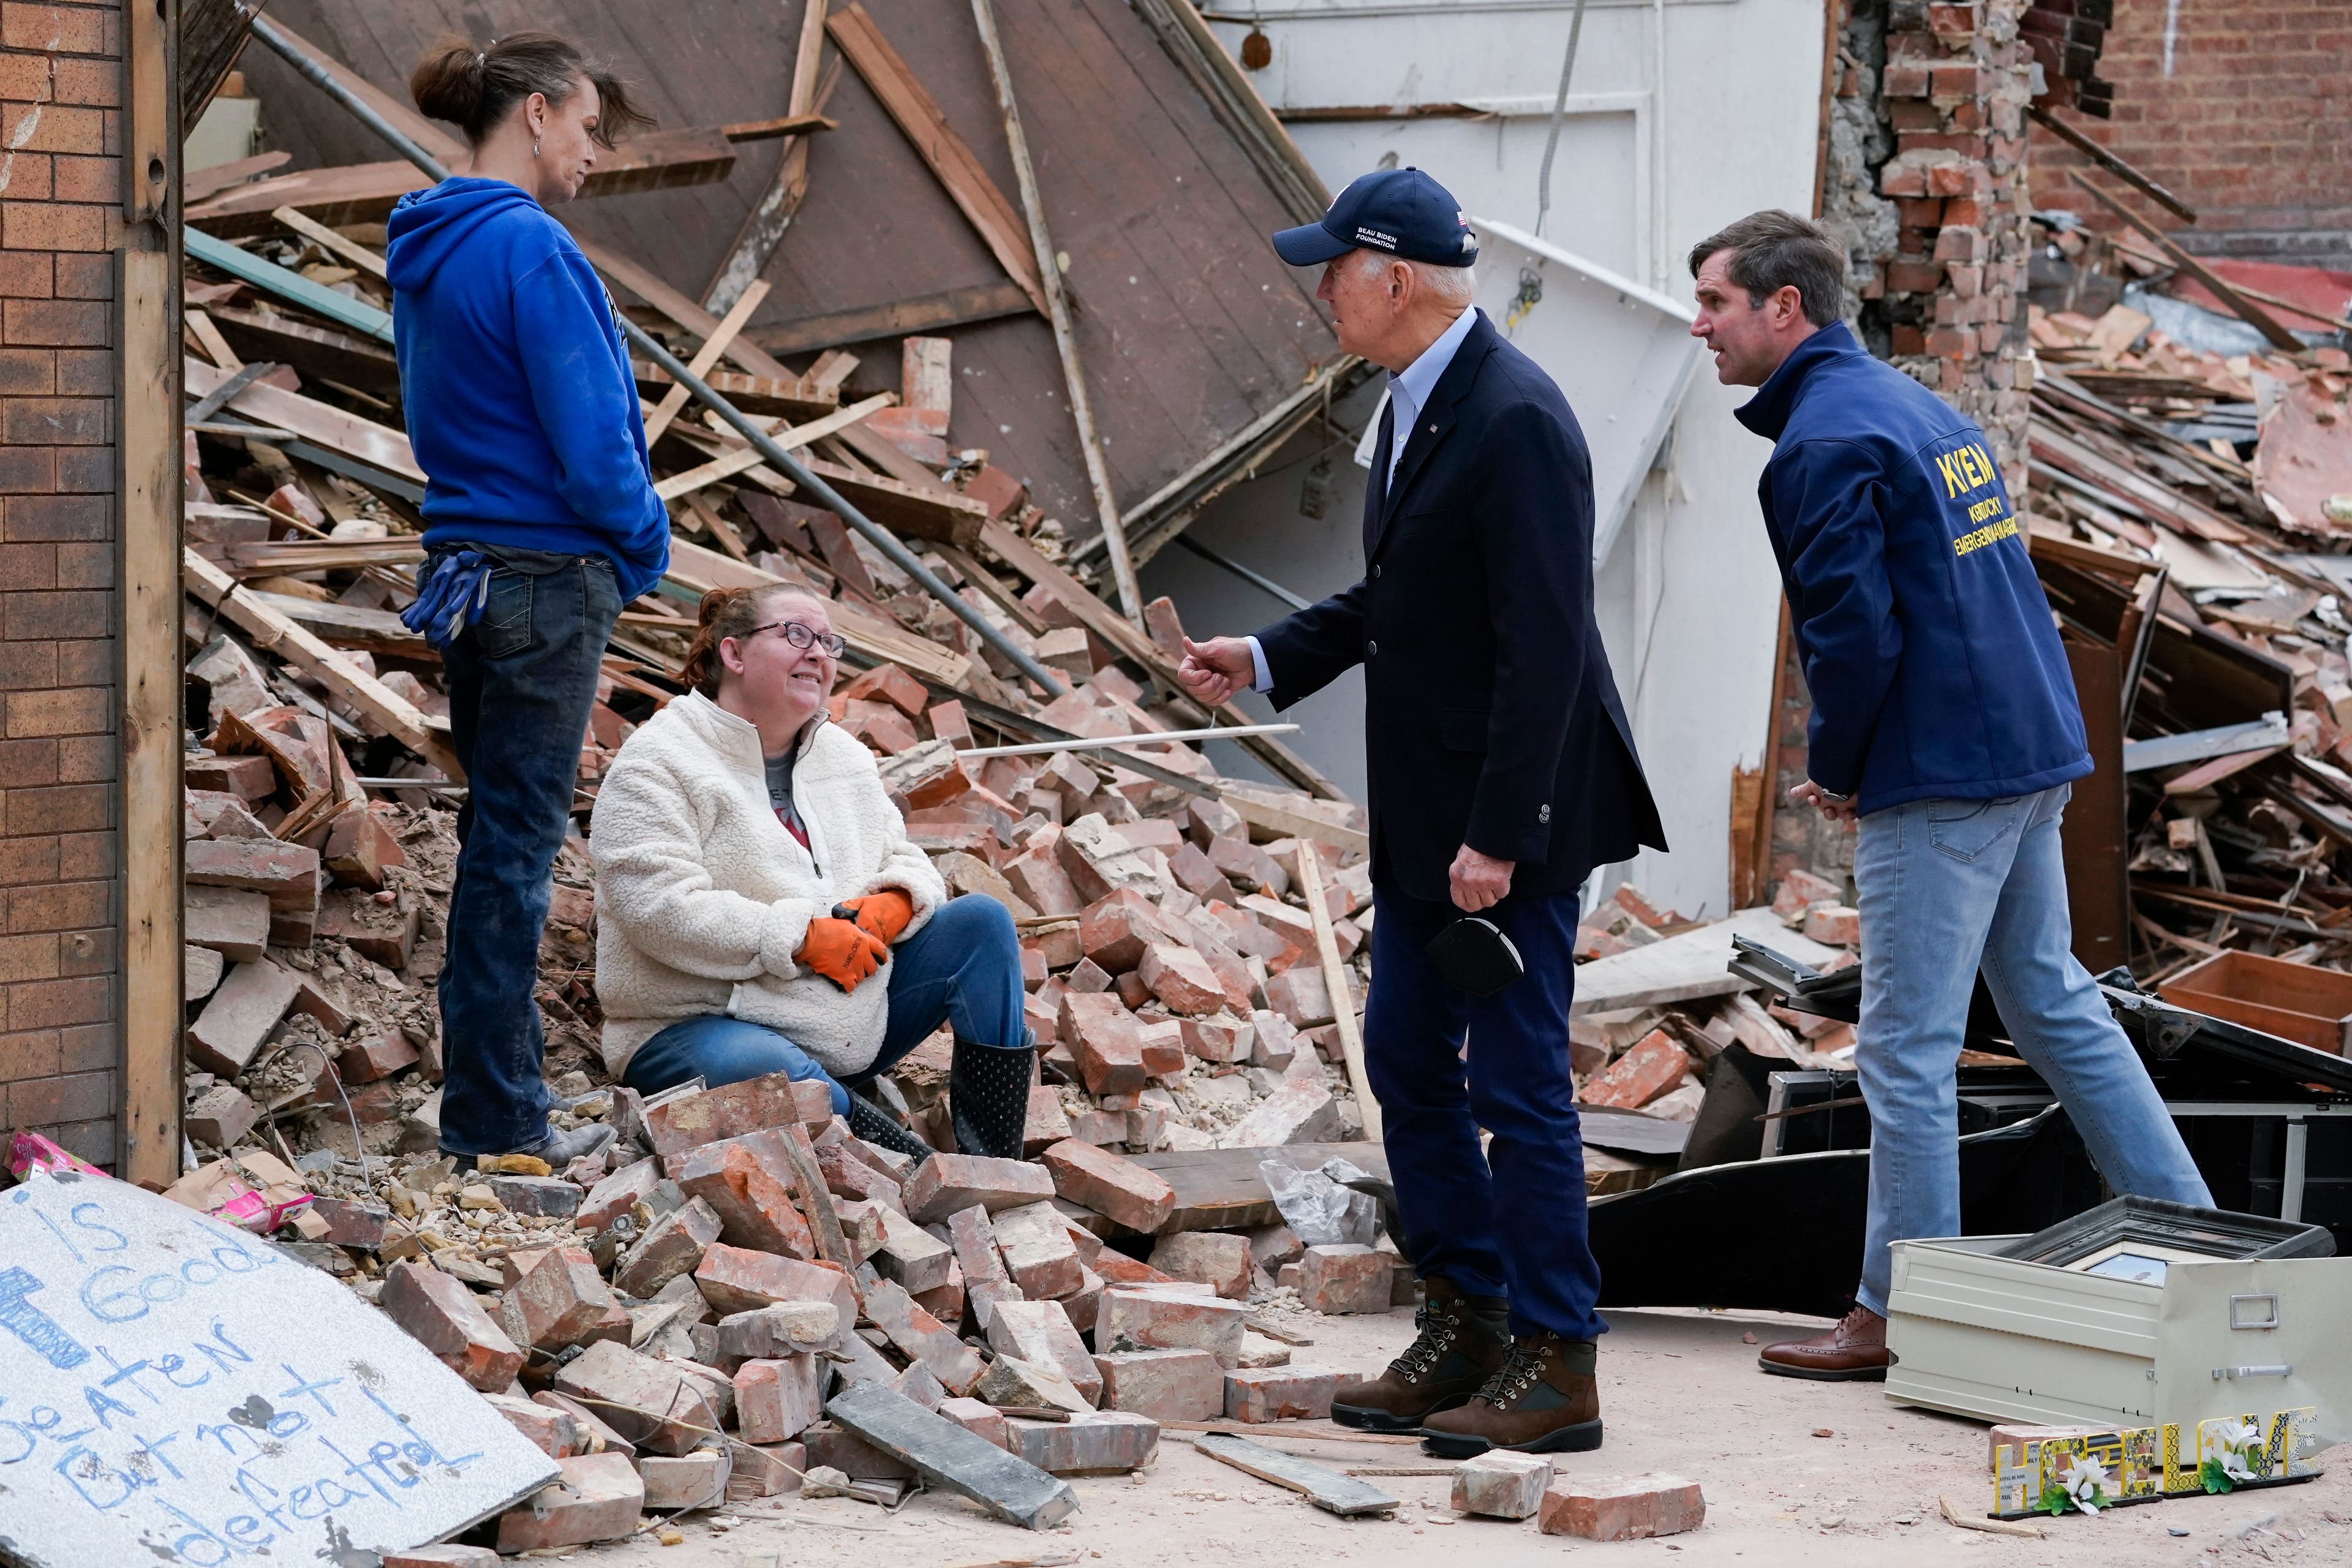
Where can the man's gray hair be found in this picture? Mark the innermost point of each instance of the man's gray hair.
(1452, 285)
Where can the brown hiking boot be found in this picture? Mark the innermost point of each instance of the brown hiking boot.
(1543, 1401)
(1853, 1351)
(1464, 1342)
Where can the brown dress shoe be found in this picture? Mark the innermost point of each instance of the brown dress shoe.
(1853, 1351)
(1463, 1341)
(1543, 1401)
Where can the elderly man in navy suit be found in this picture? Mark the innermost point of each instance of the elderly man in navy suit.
(1502, 771)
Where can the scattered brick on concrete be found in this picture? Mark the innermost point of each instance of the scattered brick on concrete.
(830, 1446)
(769, 1470)
(1038, 1250)
(651, 1402)
(1501, 1484)
(1650, 1068)
(747, 1183)
(551, 1431)
(1096, 1443)
(598, 1497)
(288, 873)
(976, 1417)
(922, 1337)
(1110, 1184)
(1107, 1040)
(985, 1282)
(592, 1426)
(1012, 1383)
(220, 1116)
(777, 1399)
(946, 1183)
(1041, 1333)
(1170, 1317)
(914, 1257)
(1346, 1278)
(376, 1055)
(672, 1246)
(674, 1482)
(948, 1456)
(1166, 1386)
(1621, 1509)
(546, 1197)
(1215, 1258)
(443, 1315)
(1294, 1392)
(1303, 1110)
(785, 1328)
(239, 1016)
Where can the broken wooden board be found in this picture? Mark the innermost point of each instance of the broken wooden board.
(745, 459)
(943, 516)
(282, 557)
(1219, 1189)
(378, 446)
(793, 397)
(291, 1388)
(316, 353)
(1328, 1490)
(350, 626)
(288, 285)
(273, 632)
(948, 1456)
(1694, 964)
(365, 193)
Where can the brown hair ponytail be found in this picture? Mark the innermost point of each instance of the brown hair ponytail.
(475, 90)
(730, 613)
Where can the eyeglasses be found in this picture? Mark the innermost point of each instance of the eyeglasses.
(801, 637)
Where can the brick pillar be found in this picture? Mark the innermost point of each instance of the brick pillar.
(61, 194)
(1926, 183)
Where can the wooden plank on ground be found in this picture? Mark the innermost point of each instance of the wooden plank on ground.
(919, 115)
(378, 446)
(1328, 1490)
(1219, 1189)
(274, 633)
(1287, 817)
(1337, 981)
(198, 183)
(1693, 964)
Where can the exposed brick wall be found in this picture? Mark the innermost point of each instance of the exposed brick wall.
(2253, 128)
(60, 86)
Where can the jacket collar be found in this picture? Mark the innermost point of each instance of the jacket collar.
(1435, 419)
(734, 737)
(1767, 413)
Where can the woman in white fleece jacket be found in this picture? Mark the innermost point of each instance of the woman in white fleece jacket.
(759, 908)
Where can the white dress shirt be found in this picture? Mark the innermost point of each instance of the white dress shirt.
(1409, 391)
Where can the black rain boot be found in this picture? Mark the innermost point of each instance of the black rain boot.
(988, 1093)
(876, 1126)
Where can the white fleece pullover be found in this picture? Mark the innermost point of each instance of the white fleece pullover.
(703, 896)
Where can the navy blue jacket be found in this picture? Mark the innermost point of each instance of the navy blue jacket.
(1490, 715)
(1935, 668)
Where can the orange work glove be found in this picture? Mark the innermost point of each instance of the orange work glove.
(840, 952)
(882, 915)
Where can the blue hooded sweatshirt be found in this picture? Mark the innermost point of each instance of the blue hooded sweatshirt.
(1926, 640)
(515, 379)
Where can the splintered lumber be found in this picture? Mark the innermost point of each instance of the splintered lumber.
(365, 193)
(790, 396)
(742, 459)
(1335, 979)
(315, 351)
(358, 255)
(700, 570)
(675, 399)
(378, 446)
(273, 632)
(1123, 636)
(764, 226)
(289, 284)
(1286, 816)
(281, 557)
(2262, 321)
(348, 626)
(1328, 1490)
(942, 516)
(942, 151)
(947, 1456)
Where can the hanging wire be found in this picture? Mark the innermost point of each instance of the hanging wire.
(1558, 117)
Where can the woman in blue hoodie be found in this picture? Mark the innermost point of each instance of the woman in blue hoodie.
(542, 523)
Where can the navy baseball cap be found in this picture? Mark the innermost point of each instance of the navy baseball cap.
(1400, 212)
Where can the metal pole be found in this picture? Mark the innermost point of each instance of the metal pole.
(1114, 530)
(776, 455)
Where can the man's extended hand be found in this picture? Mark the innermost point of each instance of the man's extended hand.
(1480, 881)
(1813, 795)
(1215, 669)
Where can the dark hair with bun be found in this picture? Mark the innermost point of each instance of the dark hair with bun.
(730, 613)
(476, 89)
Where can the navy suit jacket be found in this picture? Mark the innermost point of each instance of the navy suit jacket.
(1490, 715)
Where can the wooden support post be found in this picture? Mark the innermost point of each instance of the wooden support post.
(1058, 311)
(1335, 979)
(148, 837)
(764, 226)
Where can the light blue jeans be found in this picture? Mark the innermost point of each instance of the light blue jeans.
(1945, 886)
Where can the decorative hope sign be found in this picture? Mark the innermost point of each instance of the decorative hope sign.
(176, 1391)
(2148, 1464)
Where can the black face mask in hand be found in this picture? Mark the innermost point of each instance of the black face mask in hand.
(1474, 955)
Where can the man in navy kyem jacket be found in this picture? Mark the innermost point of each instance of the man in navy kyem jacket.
(1502, 771)
(1945, 725)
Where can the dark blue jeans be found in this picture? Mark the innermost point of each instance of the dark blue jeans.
(521, 679)
(963, 967)
(1509, 1221)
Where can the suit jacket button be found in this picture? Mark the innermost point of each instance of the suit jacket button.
(1371, 648)
(1376, 571)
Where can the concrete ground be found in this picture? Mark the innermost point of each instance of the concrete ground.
(1680, 1394)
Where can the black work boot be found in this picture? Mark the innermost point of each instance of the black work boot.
(1543, 1401)
(1463, 1341)
(988, 1095)
(876, 1126)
